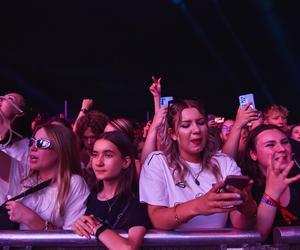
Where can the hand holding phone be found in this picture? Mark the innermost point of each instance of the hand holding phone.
(237, 181)
(164, 101)
(245, 99)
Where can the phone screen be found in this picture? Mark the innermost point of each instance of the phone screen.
(245, 99)
(165, 100)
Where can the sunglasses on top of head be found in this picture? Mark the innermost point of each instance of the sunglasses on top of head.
(39, 143)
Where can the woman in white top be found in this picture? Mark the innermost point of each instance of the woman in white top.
(182, 183)
(53, 154)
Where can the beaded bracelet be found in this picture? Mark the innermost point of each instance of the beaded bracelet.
(176, 215)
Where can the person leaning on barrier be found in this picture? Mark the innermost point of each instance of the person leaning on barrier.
(53, 154)
(114, 203)
(267, 159)
(181, 183)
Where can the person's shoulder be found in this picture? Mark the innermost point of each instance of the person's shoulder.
(222, 156)
(78, 181)
(155, 156)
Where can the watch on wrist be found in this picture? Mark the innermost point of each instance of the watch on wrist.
(100, 230)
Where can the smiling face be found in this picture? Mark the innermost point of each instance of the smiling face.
(270, 144)
(107, 161)
(43, 160)
(190, 134)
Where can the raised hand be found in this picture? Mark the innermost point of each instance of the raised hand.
(276, 175)
(155, 87)
(245, 115)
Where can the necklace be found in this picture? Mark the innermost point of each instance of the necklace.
(112, 204)
(196, 178)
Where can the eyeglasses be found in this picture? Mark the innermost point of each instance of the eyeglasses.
(39, 143)
(11, 103)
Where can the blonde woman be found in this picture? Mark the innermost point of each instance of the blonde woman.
(53, 154)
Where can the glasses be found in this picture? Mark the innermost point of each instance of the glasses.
(39, 143)
(11, 103)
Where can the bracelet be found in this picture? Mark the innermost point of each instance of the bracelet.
(46, 226)
(176, 215)
(270, 200)
(84, 110)
(100, 230)
(264, 200)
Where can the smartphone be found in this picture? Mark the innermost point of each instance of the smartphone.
(245, 99)
(237, 181)
(164, 101)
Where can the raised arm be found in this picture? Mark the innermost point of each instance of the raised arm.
(151, 139)
(85, 107)
(155, 90)
(276, 188)
(243, 116)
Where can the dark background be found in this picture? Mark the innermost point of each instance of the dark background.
(53, 51)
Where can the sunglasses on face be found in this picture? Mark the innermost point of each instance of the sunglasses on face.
(11, 103)
(39, 143)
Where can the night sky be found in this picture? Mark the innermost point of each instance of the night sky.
(213, 50)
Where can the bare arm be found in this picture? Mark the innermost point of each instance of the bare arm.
(212, 202)
(243, 116)
(88, 225)
(277, 188)
(151, 139)
(85, 106)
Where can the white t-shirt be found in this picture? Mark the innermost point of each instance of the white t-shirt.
(19, 168)
(43, 203)
(157, 187)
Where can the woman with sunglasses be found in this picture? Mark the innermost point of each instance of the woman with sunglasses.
(267, 159)
(182, 183)
(53, 154)
(114, 203)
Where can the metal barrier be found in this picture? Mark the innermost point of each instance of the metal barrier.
(153, 240)
(288, 237)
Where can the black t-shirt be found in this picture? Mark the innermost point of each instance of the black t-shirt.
(108, 211)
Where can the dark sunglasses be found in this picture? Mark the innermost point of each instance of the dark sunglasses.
(39, 143)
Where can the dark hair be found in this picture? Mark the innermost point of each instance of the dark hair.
(128, 180)
(95, 120)
(248, 166)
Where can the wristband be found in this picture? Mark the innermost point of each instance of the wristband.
(100, 230)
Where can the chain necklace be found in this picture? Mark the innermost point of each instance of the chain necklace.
(110, 206)
(196, 177)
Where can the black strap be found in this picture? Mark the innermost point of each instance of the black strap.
(30, 191)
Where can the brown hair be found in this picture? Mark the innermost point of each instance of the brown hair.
(128, 179)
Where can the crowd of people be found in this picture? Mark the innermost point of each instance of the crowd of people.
(101, 174)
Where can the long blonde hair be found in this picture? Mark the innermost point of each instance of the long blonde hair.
(63, 142)
(170, 147)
